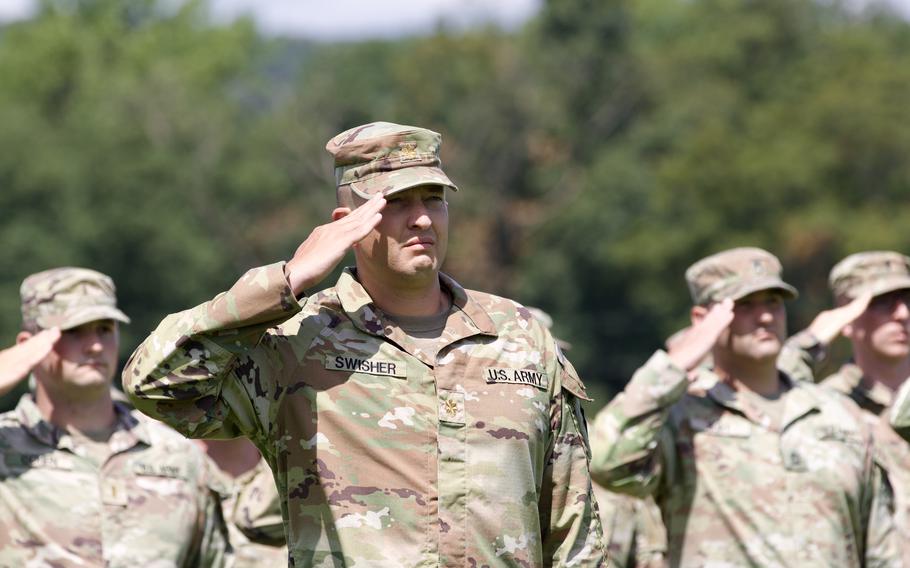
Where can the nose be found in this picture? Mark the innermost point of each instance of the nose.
(419, 216)
(766, 312)
(93, 342)
(901, 309)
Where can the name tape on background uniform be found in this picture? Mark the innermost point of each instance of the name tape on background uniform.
(368, 366)
(516, 376)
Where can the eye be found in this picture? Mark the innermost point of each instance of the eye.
(435, 199)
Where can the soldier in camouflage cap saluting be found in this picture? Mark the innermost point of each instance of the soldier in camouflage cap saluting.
(408, 421)
(55, 300)
(85, 481)
(877, 283)
(749, 466)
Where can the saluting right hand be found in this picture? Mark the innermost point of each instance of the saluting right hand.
(828, 324)
(19, 360)
(327, 244)
(690, 349)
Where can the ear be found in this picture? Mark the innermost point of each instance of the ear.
(340, 212)
(23, 336)
(697, 313)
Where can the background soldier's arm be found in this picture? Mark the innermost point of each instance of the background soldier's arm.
(214, 548)
(629, 437)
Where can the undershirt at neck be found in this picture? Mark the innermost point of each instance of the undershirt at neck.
(771, 406)
(95, 444)
(425, 331)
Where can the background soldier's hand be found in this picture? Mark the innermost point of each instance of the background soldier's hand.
(690, 349)
(828, 324)
(327, 245)
(19, 360)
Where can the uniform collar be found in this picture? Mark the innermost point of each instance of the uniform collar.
(129, 431)
(868, 393)
(798, 400)
(468, 317)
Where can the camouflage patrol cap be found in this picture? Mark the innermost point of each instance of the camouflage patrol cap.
(878, 272)
(735, 274)
(68, 297)
(382, 157)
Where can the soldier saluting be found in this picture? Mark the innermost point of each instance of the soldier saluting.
(84, 480)
(402, 452)
(749, 466)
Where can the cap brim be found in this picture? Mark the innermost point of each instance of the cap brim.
(82, 316)
(888, 285)
(388, 183)
(765, 284)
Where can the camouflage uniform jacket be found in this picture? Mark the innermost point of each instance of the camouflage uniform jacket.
(148, 505)
(899, 414)
(384, 456)
(252, 510)
(633, 529)
(735, 492)
(892, 450)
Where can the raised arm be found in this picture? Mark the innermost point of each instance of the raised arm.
(18, 361)
(629, 439)
(211, 371)
(804, 353)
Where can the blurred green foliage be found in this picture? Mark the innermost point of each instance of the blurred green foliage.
(601, 150)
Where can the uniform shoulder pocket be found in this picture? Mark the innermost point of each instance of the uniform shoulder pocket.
(569, 377)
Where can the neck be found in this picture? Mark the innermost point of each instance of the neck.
(419, 295)
(761, 377)
(890, 372)
(234, 457)
(85, 413)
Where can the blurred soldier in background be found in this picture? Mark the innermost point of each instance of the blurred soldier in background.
(633, 529)
(877, 282)
(250, 502)
(759, 469)
(409, 422)
(83, 480)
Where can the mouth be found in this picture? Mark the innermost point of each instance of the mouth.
(420, 242)
(764, 335)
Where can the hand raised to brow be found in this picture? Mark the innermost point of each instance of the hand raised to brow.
(18, 361)
(828, 324)
(687, 352)
(327, 244)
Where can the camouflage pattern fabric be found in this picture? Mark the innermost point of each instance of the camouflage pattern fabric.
(149, 504)
(633, 529)
(252, 509)
(385, 457)
(875, 272)
(892, 450)
(383, 157)
(734, 274)
(68, 297)
(873, 397)
(801, 357)
(899, 414)
(735, 492)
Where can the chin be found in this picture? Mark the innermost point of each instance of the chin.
(91, 381)
(423, 267)
(766, 352)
